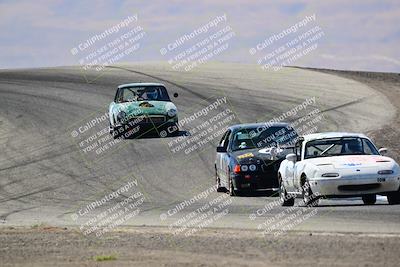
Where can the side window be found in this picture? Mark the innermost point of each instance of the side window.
(226, 140)
(221, 142)
(116, 98)
(368, 148)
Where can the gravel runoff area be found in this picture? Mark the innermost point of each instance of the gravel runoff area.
(148, 246)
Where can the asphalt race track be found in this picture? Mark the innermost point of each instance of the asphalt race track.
(45, 177)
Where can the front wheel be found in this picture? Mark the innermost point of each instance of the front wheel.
(369, 199)
(116, 132)
(309, 198)
(169, 130)
(285, 199)
(176, 131)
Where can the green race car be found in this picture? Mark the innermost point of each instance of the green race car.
(142, 107)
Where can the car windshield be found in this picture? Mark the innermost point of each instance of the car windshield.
(140, 93)
(263, 136)
(339, 146)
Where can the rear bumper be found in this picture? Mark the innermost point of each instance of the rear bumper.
(265, 177)
(354, 186)
(255, 181)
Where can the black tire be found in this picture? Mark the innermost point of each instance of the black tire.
(309, 199)
(218, 181)
(369, 199)
(174, 133)
(394, 198)
(231, 189)
(177, 131)
(116, 133)
(286, 201)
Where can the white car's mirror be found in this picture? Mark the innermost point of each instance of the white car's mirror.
(291, 157)
(383, 151)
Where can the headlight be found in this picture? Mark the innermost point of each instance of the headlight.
(385, 172)
(244, 168)
(172, 112)
(121, 116)
(330, 174)
(252, 167)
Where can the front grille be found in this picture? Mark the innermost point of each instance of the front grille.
(157, 119)
(150, 119)
(358, 187)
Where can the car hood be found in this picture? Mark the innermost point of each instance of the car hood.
(354, 161)
(146, 107)
(259, 154)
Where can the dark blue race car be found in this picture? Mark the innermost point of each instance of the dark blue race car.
(249, 155)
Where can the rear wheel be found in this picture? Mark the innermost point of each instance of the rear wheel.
(231, 189)
(283, 195)
(369, 199)
(218, 181)
(394, 198)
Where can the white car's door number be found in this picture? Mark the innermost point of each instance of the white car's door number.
(380, 180)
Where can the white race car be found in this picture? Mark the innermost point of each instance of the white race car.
(338, 165)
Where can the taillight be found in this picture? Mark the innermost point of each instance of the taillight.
(252, 167)
(244, 168)
(236, 169)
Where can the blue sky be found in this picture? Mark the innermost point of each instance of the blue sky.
(359, 34)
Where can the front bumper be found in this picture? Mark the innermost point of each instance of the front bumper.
(354, 186)
(148, 122)
(130, 130)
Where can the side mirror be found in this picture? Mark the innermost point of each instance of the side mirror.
(383, 151)
(221, 149)
(291, 157)
(176, 95)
